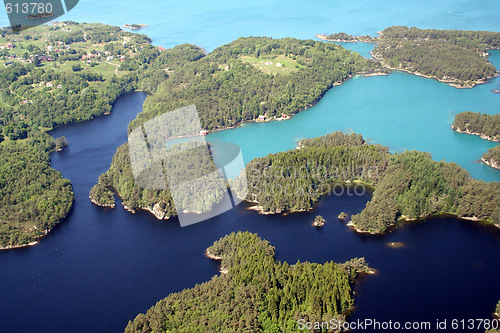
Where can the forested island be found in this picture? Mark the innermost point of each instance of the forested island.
(51, 76)
(255, 293)
(482, 124)
(135, 26)
(407, 186)
(228, 87)
(487, 127)
(457, 57)
(343, 37)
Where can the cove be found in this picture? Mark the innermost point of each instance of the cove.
(101, 267)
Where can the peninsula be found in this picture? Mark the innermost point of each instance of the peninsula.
(54, 75)
(295, 180)
(267, 299)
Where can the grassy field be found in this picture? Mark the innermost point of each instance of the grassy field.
(278, 65)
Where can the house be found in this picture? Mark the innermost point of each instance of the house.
(59, 86)
(161, 48)
(269, 63)
(203, 132)
(109, 58)
(261, 117)
(60, 43)
(8, 63)
(278, 64)
(49, 84)
(49, 48)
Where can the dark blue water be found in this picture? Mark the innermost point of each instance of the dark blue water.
(101, 267)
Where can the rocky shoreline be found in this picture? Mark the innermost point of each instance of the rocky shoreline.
(100, 204)
(209, 255)
(491, 163)
(9, 247)
(482, 136)
(451, 83)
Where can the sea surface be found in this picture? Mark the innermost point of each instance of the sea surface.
(101, 267)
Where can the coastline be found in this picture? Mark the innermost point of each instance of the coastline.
(355, 40)
(214, 257)
(449, 82)
(482, 136)
(35, 242)
(406, 221)
(290, 116)
(101, 205)
(492, 164)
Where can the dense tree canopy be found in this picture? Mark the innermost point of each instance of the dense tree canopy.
(255, 293)
(33, 196)
(454, 56)
(227, 89)
(408, 185)
(488, 126)
(40, 91)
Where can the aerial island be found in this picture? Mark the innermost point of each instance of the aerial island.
(484, 125)
(135, 26)
(278, 289)
(456, 57)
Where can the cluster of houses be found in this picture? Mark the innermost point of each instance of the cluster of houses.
(263, 117)
(8, 46)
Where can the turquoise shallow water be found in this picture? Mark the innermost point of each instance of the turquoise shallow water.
(402, 111)
(213, 23)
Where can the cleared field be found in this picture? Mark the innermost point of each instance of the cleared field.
(278, 65)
